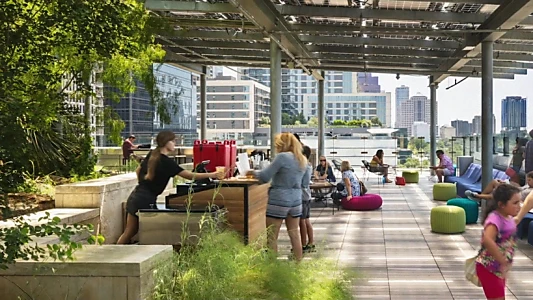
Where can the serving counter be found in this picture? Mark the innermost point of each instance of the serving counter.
(244, 199)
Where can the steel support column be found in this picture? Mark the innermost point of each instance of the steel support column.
(203, 104)
(275, 95)
(321, 107)
(433, 121)
(486, 112)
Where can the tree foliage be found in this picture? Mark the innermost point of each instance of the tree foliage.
(49, 51)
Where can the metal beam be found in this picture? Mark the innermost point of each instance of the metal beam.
(219, 45)
(321, 108)
(203, 105)
(188, 23)
(496, 70)
(411, 72)
(325, 58)
(432, 121)
(357, 41)
(513, 57)
(208, 52)
(513, 48)
(182, 6)
(275, 95)
(486, 114)
(380, 51)
(493, 2)
(233, 35)
(517, 36)
(185, 63)
(506, 16)
(264, 15)
(382, 14)
(339, 29)
(503, 64)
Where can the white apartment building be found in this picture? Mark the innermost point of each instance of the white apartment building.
(421, 129)
(235, 107)
(416, 109)
(402, 95)
(97, 103)
(351, 106)
(447, 132)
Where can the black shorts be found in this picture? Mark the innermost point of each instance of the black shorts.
(306, 209)
(140, 198)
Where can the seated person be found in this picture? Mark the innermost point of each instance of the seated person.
(324, 171)
(350, 185)
(377, 165)
(445, 167)
(487, 192)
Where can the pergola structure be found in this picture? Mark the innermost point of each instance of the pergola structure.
(467, 38)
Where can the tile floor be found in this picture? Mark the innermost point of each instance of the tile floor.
(396, 254)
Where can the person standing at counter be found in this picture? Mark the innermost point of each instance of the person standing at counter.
(289, 174)
(153, 175)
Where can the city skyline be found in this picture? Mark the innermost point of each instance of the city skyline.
(449, 100)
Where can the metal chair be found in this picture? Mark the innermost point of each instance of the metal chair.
(369, 170)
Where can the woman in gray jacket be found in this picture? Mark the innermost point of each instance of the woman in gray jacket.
(289, 174)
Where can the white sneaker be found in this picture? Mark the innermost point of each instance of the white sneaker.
(471, 195)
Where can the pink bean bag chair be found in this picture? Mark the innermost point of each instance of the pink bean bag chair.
(365, 202)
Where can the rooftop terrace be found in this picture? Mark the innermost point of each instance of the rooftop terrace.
(397, 255)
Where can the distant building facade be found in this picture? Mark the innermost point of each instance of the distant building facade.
(235, 107)
(514, 113)
(402, 95)
(356, 106)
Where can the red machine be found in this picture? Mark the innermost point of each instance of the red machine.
(219, 154)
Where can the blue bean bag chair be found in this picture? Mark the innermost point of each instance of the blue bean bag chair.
(365, 202)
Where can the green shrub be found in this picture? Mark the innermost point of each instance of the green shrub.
(222, 267)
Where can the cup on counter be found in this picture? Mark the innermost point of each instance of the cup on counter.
(220, 169)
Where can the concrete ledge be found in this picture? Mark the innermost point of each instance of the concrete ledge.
(107, 194)
(98, 273)
(67, 215)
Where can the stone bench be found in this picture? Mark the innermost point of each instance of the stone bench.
(107, 194)
(69, 216)
(106, 272)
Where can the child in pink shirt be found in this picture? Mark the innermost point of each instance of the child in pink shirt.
(498, 240)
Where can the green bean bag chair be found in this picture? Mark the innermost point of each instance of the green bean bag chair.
(471, 208)
(411, 176)
(448, 219)
(444, 191)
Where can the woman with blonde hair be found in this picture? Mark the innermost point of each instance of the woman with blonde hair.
(289, 174)
(350, 181)
(153, 174)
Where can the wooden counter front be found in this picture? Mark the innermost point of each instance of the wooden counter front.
(245, 201)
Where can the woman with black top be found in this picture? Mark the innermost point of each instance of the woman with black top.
(153, 175)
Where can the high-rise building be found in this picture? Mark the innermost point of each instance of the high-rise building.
(235, 107)
(402, 95)
(366, 83)
(447, 132)
(462, 128)
(295, 85)
(215, 71)
(346, 107)
(416, 109)
(421, 129)
(476, 125)
(514, 114)
(139, 114)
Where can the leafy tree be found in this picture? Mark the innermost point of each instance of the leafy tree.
(338, 123)
(366, 123)
(376, 122)
(354, 123)
(264, 121)
(286, 119)
(313, 121)
(300, 118)
(49, 51)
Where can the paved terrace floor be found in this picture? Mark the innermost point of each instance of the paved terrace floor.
(396, 254)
